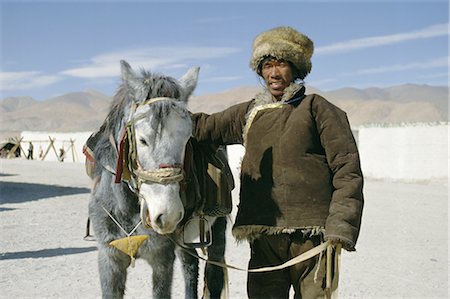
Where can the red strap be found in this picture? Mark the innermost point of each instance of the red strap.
(88, 153)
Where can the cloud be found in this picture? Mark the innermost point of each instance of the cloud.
(26, 80)
(435, 63)
(107, 65)
(377, 41)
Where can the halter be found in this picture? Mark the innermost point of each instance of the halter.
(128, 166)
(130, 170)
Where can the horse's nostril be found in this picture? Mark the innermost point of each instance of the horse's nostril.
(159, 220)
(181, 217)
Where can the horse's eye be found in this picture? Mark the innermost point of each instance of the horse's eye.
(142, 141)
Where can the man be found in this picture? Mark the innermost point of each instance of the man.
(301, 182)
(30, 151)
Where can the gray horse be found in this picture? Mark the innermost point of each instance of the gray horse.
(139, 153)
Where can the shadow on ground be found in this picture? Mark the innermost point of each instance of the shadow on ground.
(45, 253)
(7, 174)
(14, 192)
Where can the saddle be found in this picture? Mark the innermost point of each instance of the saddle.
(208, 179)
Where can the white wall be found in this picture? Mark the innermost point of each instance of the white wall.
(410, 153)
(41, 140)
(415, 152)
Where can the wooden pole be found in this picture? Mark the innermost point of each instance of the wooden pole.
(74, 152)
(53, 147)
(48, 148)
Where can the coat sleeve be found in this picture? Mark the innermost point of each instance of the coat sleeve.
(221, 128)
(344, 219)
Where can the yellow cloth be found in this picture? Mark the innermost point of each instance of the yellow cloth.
(129, 245)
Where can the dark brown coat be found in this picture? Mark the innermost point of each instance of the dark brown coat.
(301, 167)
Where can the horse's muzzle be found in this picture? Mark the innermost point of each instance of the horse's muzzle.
(159, 223)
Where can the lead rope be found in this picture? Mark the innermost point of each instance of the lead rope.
(298, 259)
(332, 276)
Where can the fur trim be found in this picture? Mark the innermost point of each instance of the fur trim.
(284, 43)
(266, 97)
(252, 232)
(265, 100)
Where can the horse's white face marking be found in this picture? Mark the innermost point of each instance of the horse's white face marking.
(163, 146)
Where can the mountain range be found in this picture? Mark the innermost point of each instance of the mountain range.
(86, 110)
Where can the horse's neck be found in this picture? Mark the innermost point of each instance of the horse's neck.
(106, 157)
(106, 150)
(120, 198)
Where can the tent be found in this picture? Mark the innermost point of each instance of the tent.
(11, 148)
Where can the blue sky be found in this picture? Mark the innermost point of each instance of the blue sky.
(56, 47)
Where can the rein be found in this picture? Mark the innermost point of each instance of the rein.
(326, 247)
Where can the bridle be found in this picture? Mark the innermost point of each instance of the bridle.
(128, 167)
(130, 171)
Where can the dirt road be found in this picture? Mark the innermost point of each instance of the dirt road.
(402, 251)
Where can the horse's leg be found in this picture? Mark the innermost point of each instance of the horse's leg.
(112, 267)
(215, 275)
(162, 265)
(189, 264)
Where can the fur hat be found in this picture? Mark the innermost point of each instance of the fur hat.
(283, 43)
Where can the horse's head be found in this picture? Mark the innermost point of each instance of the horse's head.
(158, 128)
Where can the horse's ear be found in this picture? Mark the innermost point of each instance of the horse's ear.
(131, 80)
(189, 80)
(126, 70)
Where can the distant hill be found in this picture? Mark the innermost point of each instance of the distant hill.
(77, 111)
(397, 104)
(85, 111)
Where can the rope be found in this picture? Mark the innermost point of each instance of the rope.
(331, 289)
(120, 226)
(162, 176)
(298, 259)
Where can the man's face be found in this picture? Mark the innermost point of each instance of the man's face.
(278, 75)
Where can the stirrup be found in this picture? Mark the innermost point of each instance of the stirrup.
(204, 238)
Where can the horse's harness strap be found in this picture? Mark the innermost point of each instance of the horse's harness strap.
(161, 176)
(150, 101)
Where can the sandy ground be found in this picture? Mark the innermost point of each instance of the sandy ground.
(402, 250)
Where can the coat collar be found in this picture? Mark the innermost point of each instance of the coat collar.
(291, 92)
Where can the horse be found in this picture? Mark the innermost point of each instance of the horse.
(139, 184)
